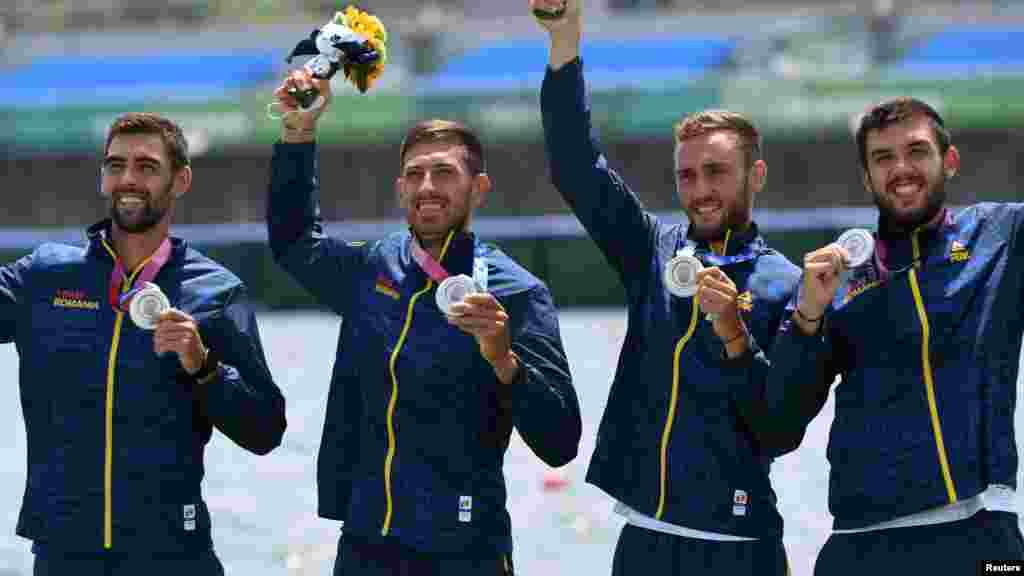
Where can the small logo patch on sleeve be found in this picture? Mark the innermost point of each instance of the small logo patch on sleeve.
(386, 287)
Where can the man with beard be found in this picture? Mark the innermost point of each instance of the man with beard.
(925, 337)
(680, 444)
(424, 394)
(119, 398)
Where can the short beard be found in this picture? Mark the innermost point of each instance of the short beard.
(440, 237)
(735, 218)
(906, 222)
(149, 218)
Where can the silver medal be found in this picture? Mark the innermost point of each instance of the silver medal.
(454, 289)
(680, 275)
(859, 244)
(147, 305)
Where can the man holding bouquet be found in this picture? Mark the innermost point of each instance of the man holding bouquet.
(426, 389)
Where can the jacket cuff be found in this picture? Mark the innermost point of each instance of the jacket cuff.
(806, 343)
(284, 148)
(300, 157)
(568, 70)
(523, 389)
(741, 362)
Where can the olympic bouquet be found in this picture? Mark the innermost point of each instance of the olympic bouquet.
(364, 73)
(352, 41)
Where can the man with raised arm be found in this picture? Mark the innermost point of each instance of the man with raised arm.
(685, 443)
(446, 344)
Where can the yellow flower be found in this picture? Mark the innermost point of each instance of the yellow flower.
(376, 35)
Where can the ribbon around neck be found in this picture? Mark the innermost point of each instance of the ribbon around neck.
(427, 263)
(118, 301)
(437, 272)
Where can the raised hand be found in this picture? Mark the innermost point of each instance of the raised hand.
(298, 125)
(822, 274)
(565, 30)
(555, 14)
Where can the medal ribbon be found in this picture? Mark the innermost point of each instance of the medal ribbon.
(426, 262)
(437, 272)
(948, 231)
(118, 301)
(748, 252)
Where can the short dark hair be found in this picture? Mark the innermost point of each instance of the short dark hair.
(456, 133)
(700, 123)
(894, 111)
(149, 123)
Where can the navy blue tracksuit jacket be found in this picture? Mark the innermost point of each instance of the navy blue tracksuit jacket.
(679, 437)
(115, 433)
(926, 340)
(417, 422)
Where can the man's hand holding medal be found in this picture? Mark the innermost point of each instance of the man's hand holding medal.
(173, 330)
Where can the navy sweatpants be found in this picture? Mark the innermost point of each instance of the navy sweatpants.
(953, 548)
(50, 562)
(361, 556)
(651, 553)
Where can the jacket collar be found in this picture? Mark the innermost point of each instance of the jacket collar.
(458, 258)
(100, 231)
(896, 246)
(740, 246)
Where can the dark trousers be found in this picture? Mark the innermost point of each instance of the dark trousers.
(50, 562)
(952, 548)
(361, 556)
(651, 553)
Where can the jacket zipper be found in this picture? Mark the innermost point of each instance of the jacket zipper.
(666, 433)
(389, 458)
(926, 368)
(108, 456)
(673, 400)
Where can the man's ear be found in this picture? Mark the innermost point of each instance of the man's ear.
(182, 181)
(402, 202)
(951, 162)
(758, 175)
(865, 179)
(481, 186)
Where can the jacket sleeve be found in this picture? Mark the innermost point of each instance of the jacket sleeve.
(242, 401)
(749, 372)
(544, 406)
(609, 211)
(796, 382)
(12, 296)
(324, 266)
(745, 376)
